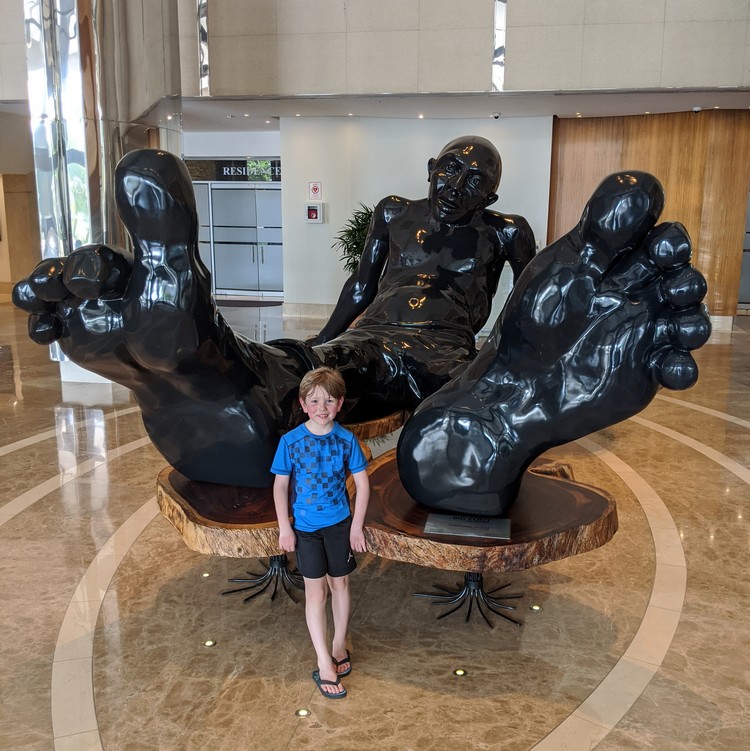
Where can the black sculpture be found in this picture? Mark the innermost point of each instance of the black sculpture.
(609, 310)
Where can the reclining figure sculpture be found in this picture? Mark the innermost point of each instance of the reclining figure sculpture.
(595, 324)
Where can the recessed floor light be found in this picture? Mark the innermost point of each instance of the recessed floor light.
(205, 574)
(209, 643)
(536, 608)
(460, 672)
(302, 712)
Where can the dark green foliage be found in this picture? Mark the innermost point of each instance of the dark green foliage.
(351, 239)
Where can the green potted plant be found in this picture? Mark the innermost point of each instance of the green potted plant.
(350, 241)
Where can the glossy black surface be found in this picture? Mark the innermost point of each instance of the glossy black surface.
(595, 323)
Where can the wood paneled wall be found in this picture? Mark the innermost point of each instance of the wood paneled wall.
(702, 160)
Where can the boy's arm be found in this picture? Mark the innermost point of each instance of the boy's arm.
(287, 540)
(362, 497)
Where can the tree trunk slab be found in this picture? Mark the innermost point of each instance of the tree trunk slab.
(553, 518)
(379, 427)
(217, 519)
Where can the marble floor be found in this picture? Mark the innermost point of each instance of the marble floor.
(641, 644)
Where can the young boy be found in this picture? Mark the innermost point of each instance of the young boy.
(316, 456)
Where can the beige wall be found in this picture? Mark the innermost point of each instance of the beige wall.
(12, 51)
(349, 46)
(187, 16)
(290, 47)
(623, 44)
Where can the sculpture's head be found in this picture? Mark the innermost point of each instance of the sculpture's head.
(463, 179)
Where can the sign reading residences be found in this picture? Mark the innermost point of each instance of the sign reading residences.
(235, 170)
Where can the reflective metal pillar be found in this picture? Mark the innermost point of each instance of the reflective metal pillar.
(94, 67)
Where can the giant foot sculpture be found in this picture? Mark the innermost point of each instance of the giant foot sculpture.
(598, 321)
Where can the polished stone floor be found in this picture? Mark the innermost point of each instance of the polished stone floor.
(641, 644)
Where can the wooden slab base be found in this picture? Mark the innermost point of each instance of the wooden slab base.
(553, 518)
(219, 519)
(379, 427)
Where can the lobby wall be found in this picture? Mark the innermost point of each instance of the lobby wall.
(583, 45)
(364, 159)
(349, 46)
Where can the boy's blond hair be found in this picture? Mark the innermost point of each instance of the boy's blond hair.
(328, 379)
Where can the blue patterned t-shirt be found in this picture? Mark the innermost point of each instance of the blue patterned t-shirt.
(317, 465)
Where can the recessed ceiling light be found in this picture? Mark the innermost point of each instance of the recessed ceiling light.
(421, 116)
(247, 114)
(297, 115)
(268, 122)
(351, 114)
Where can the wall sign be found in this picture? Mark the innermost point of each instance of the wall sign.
(235, 170)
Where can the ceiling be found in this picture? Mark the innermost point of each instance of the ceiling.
(262, 113)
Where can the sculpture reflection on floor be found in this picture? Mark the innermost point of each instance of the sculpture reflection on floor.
(596, 322)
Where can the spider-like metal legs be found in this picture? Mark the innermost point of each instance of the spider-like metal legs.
(473, 592)
(277, 571)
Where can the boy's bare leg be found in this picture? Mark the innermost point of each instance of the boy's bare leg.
(316, 596)
(341, 605)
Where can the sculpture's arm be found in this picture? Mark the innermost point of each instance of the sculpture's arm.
(362, 286)
(522, 246)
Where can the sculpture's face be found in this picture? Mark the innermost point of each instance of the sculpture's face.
(463, 179)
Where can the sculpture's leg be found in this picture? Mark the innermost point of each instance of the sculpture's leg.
(213, 402)
(596, 323)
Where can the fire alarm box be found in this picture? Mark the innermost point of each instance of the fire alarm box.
(314, 213)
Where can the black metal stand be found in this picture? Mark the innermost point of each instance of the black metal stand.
(277, 571)
(473, 592)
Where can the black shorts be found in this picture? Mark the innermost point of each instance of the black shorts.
(325, 551)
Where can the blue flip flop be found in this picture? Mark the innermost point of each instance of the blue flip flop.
(337, 663)
(320, 682)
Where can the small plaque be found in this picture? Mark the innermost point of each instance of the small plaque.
(467, 526)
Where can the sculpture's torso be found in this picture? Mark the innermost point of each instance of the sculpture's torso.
(438, 275)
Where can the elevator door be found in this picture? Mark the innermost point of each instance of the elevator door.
(245, 233)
